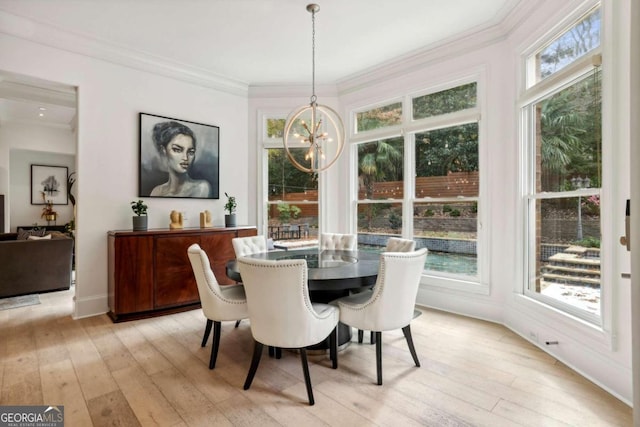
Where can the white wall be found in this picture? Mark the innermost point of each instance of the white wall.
(110, 97)
(39, 140)
(21, 211)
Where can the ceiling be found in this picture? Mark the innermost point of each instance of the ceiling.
(257, 42)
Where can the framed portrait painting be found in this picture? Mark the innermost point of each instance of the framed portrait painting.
(178, 158)
(49, 183)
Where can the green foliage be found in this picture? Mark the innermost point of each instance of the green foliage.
(571, 135)
(286, 211)
(395, 220)
(231, 204)
(284, 178)
(453, 149)
(446, 101)
(474, 207)
(588, 242)
(369, 213)
(380, 117)
(428, 213)
(454, 212)
(275, 128)
(139, 208)
(446, 209)
(380, 161)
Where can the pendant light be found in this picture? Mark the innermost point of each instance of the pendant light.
(315, 132)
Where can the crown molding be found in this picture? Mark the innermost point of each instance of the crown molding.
(267, 90)
(23, 92)
(512, 14)
(48, 35)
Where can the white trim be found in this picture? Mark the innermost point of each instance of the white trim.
(48, 35)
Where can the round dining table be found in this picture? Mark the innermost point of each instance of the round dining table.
(331, 274)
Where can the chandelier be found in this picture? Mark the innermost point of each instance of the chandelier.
(314, 133)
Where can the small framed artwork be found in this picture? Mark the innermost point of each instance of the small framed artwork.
(178, 158)
(49, 183)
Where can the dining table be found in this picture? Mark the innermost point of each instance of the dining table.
(331, 274)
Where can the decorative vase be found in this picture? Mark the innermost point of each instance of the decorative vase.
(139, 223)
(230, 220)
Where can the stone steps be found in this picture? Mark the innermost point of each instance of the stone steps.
(572, 268)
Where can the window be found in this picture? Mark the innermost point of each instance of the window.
(582, 38)
(445, 212)
(380, 189)
(439, 208)
(379, 117)
(446, 101)
(563, 155)
(291, 195)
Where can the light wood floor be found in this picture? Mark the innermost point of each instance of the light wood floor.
(154, 372)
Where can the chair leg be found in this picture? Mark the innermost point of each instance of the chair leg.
(372, 338)
(272, 351)
(407, 334)
(257, 352)
(278, 353)
(379, 356)
(207, 331)
(307, 378)
(216, 344)
(360, 336)
(238, 323)
(333, 347)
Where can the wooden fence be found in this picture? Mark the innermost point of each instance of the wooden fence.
(453, 185)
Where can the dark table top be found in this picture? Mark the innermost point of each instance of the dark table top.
(328, 270)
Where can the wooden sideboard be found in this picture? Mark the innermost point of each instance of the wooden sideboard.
(150, 273)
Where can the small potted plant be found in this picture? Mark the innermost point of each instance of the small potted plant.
(230, 206)
(47, 211)
(140, 220)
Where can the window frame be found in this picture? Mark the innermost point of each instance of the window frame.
(529, 96)
(264, 144)
(409, 128)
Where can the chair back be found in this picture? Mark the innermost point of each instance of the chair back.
(244, 246)
(394, 295)
(338, 242)
(215, 305)
(396, 244)
(280, 309)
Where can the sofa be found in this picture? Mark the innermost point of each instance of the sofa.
(35, 266)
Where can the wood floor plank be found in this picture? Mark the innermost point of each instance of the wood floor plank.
(153, 371)
(26, 392)
(113, 410)
(145, 354)
(192, 406)
(60, 386)
(145, 399)
(93, 374)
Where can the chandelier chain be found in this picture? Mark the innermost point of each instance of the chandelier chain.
(313, 57)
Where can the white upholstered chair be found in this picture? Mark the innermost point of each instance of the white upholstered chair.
(390, 304)
(338, 242)
(243, 246)
(218, 303)
(394, 244)
(282, 314)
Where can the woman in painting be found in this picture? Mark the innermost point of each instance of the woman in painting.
(176, 144)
